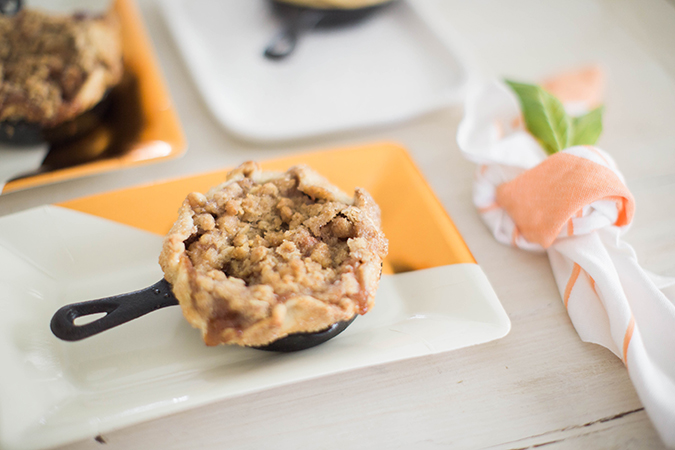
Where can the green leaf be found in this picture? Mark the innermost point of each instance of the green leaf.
(587, 128)
(545, 116)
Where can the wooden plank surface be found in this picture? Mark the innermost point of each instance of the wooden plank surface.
(538, 386)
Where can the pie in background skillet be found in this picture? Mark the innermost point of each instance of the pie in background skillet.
(56, 70)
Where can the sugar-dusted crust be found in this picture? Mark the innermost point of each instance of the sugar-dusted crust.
(54, 67)
(267, 254)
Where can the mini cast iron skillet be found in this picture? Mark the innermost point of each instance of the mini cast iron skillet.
(301, 19)
(122, 308)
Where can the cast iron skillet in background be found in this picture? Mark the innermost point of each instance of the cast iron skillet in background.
(122, 308)
(23, 133)
(297, 20)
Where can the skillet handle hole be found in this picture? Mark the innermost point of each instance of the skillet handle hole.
(89, 318)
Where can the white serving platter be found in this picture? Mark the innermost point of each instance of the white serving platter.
(54, 392)
(392, 67)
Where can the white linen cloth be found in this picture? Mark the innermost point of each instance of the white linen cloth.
(610, 299)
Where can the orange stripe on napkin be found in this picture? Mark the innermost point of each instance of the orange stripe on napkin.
(542, 200)
(590, 278)
(627, 337)
(492, 206)
(595, 150)
(570, 223)
(570, 283)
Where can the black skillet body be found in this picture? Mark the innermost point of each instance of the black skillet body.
(122, 308)
(23, 133)
(330, 17)
(297, 20)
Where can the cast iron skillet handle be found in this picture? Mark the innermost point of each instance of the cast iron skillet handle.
(119, 309)
(283, 43)
(10, 7)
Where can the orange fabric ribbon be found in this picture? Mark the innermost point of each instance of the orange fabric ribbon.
(542, 200)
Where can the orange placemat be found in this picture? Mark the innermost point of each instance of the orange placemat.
(421, 234)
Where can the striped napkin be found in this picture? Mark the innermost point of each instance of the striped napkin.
(575, 206)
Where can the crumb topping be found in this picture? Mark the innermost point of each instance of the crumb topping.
(268, 254)
(54, 67)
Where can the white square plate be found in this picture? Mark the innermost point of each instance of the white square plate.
(54, 392)
(389, 68)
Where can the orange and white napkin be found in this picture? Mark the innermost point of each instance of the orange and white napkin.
(575, 206)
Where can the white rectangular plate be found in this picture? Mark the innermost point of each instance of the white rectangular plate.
(54, 392)
(388, 68)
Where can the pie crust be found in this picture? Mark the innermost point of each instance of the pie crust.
(54, 67)
(267, 254)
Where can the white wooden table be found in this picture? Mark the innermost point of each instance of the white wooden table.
(538, 386)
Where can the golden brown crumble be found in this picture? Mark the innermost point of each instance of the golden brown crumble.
(266, 254)
(54, 67)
